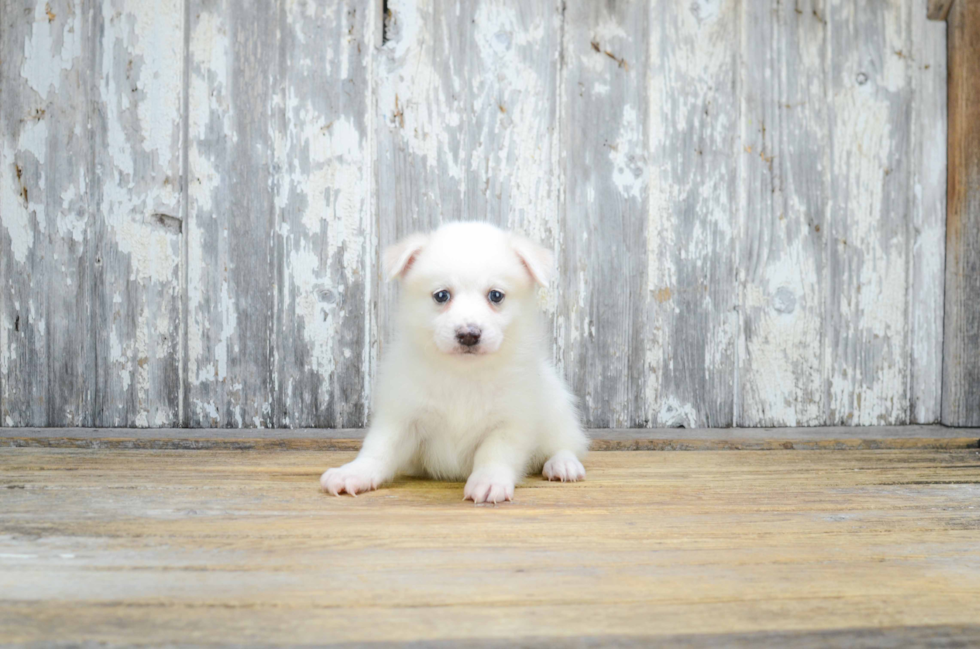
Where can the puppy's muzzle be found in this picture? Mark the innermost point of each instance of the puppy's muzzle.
(468, 336)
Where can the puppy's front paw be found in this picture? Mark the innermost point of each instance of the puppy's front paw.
(352, 478)
(564, 466)
(489, 485)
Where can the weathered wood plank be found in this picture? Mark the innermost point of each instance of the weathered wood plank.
(626, 157)
(603, 439)
(961, 343)
(326, 242)
(241, 548)
(231, 221)
(928, 200)
(867, 226)
(602, 261)
(137, 157)
(785, 194)
(49, 247)
(90, 322)
(693, 147)
(467, 119)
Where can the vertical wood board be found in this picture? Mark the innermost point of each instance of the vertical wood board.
(231, 221)
(785, 194)
(867, 228)
(325, 235)
(602, 285)
(928, 188)
(961, 343)
(693, 149)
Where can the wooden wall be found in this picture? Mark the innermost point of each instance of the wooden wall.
(747, 201)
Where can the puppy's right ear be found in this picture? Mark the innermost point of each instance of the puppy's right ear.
(398, 258)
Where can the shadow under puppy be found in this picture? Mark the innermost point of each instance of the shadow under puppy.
(467, 390)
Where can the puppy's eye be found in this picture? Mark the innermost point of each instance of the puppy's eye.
(495, 296)
(441, 296)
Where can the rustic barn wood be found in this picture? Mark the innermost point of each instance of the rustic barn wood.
(928, 217)
(801, 438)
(604, 331)
(746, 204)
(240, 548)
(961, 343)
(90, 203)
(231, 245)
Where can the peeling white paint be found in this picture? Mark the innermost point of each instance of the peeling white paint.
(142, 32)
(16, 212)
(320, 320)
(51, 49)
(14, 217)
(675, 414)
(488, 124)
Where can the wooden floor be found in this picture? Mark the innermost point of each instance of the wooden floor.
(753, 548)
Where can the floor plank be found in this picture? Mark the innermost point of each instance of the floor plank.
(239, 547)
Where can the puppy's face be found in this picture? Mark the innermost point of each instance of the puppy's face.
(466, 286)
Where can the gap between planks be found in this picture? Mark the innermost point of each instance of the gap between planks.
(611, 439)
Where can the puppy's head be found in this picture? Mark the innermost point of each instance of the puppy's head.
(467, 288)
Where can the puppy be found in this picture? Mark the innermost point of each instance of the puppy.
(467, 389)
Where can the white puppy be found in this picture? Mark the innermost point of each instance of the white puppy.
(467, 389)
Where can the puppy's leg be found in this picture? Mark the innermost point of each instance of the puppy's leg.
(498, 464)
(563, 442)
(387, 448)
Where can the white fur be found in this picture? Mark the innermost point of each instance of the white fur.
(488, 413)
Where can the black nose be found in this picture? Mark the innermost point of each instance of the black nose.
(468, 336)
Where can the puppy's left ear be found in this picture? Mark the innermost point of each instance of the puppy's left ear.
(539, 261)
(398, 258)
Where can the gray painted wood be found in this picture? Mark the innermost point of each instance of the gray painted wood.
(693, 149)
(961, 345)
(746, 203)
(603, 256)
(90, 198)
(785, 197)
(867, 227)
(325, 253)
(48, 248)
(231, 220)
(135, 120)
(819, 330)
(928, 200)
(280, 255)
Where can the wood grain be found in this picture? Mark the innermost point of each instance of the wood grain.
(961, 343)
(603, 269)
(231, 245)
(226, 547)
(866, 230)
(928, 200)
(49, 247)
(785, 195)
(325, 241)
(746, 203)
(90, 209)
(137, 159)
(690, 358)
